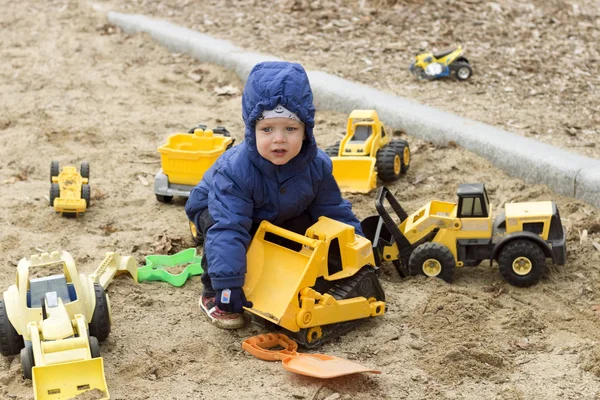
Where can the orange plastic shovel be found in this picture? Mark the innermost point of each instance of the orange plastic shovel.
(315, 365)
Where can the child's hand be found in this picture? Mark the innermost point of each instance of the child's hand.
(232, 300)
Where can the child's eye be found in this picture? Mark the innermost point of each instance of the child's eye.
(267, 129)
(291, 129)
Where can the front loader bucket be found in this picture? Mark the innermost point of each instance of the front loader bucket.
(275, 275)
(67, 380)
(355, 174)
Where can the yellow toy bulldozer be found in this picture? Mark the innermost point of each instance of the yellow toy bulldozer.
(317, 288)
(441, 236)
(367, 152)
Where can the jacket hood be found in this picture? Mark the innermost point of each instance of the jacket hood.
(269, 84)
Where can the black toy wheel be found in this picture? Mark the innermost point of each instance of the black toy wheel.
(164, 199)
(199, 126)
(54, 192)
(463, 71)
(100, 324)
(27, 362)
(10, 340)
(221, 130)
(389, 164)
(86, 194)
(522, 263)
(197, 236)
(84, 170)
(54, 169)
(94, 346)
(402, 147)
(432, 259)
(419, 73)
(333, 151)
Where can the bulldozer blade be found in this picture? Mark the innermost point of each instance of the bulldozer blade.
(355, 174)
(67, 380)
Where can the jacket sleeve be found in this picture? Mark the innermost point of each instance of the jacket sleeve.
(230, 206)
(196, 203)
(330, 203)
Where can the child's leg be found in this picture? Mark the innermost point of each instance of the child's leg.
(205, 222)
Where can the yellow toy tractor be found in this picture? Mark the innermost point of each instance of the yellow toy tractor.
(441, 236)
(55, 322)
(367, 152)
(440, 64)
(318, 286)
(69, 190)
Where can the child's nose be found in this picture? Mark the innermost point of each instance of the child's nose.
(279, 136)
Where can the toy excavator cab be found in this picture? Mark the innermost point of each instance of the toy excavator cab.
(473, 201)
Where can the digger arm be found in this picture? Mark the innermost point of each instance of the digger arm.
(114, 265)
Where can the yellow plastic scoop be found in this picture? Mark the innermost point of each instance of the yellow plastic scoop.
(315, 365)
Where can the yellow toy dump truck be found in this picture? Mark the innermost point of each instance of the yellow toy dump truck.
(441, 236)
(70, 192)
(367, 152)
(316, 287)
(55, 321)
(186, 157)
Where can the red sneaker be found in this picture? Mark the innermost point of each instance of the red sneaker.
(222, 319)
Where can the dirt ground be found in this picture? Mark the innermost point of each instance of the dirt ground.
(74, 88)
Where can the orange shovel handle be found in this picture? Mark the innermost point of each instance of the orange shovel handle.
(259, 346)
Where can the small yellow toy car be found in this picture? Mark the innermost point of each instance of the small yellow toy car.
(69, 190)
(440, 64)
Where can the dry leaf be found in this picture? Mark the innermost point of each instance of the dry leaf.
(196, 75)
(596, 309)
(227, 90)
(596, 245)
(108, 229)
(143, 180)
(522, 344)
(583, 236)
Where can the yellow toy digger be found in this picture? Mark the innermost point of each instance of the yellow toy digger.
(441, 236)
(319, 287)
(440, 64)
(55, 321)
(367, 152)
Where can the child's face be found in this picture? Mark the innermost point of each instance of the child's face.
(279, 139)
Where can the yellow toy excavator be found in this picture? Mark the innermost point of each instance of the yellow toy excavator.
(367, 152)
(316, 288)
(441, 236)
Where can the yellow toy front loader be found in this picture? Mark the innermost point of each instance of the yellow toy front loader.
(55, 317)
(61, 359)
(319, 287)
(366, 153)
(442, 236)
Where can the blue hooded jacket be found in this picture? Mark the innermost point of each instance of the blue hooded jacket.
(242, 187)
